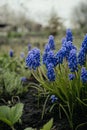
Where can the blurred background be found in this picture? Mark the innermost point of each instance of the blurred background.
(30, 22)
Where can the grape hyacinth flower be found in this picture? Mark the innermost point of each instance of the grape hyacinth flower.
(72, 61)
(69, 36)
(53, 98)
(50, 59)
(71, 76)
(69, 46)
(51, 42)
(23, 79)
(47, 48)
(50, 72)
(11, 53)
(63, 40)
(82, 57)
(84, 43)
(29, 47)
(44, 57)
(60, 55)
(84, 75)
(33, 59)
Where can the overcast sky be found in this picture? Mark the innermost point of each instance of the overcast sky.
(40, 9)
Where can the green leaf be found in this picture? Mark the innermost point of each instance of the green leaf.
(12, 83)
(48, 125)
(11, 115)
(4, 114)
(29, 128)
(16, 112)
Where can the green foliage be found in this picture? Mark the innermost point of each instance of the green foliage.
(68, 92)
(11, 115)
(29, 129)
(11, 71)
(72, 94)
(47, 126)
(15, 64)
(11, 83)
(14, 34)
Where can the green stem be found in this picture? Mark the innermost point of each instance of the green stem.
(12, 127)
(80, 125)
(68, 117)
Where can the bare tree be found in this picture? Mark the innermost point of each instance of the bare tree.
(54, 22)
(79, 15)
(18, 20)
(7, 15)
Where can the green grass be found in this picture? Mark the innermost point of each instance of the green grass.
(19, 44)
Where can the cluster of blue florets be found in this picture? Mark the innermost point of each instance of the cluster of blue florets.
(60, 55)
(69, 36)
(69, 46)
(53, 98)
(84, 75)
(51, 42)
(57, 59)
(48, 56)
(23, 79)
(81, 57)
(84, 44)
(51, 72)
(33, 59)
(11, 53)
(71, 76)
(72, 61)
(51, 59)
(83, 52)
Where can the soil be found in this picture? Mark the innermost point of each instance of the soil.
(33, 111)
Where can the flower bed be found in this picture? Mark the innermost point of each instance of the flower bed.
(54, 86)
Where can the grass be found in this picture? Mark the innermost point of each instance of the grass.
(19, 44)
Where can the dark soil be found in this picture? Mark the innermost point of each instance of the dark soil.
(32, 114)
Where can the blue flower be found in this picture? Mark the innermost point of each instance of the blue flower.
(81, 57)
(60, 55)
(83, 75)
(72, 61)
(48, 55)
(51, 42)
(71, 76)
(11, 53)
(29, 47)
(69, 36)
(53, 98)
(23, 79)
(63, 40)
(47, 48)
(69, 46)
(50, 59)
(50, 72)
(84, 43)
(44, 57)
(45, 54)
(33, 59)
